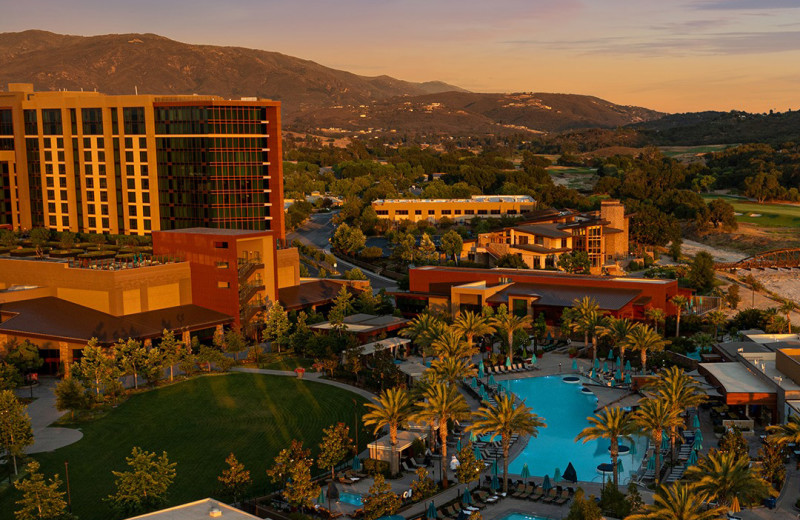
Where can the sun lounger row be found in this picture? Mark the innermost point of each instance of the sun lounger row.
(516, 367)
(558, 495)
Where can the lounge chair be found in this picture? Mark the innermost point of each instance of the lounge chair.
(518, 491)
(563, 498)
(405, 467)
(537, 494)
(551, 496)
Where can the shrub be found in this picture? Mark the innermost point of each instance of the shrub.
(371, 253)
(376, 467)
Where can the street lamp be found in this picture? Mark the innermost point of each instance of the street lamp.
(355, 422)
(66, 475)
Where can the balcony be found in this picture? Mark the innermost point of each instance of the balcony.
(247, 266)
(250, 309)
(249, 289)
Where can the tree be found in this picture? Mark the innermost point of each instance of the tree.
(679, 501)
(732, 441)
(616, 330)
(612, 423)
(131, 356)
(450, 344)
(680, 302)
(655, 416)
(650, 226)
(722, 215)
(787, 307)
(233, 342)
(276, 325)
(511, 261)
(39, 238)
(583, 508)
(15, 426)
(391, 409)
(786, 433)
(24, 356)
(349, 240)
(355, 274)
(724, 476)
(300, 490)
(335, 446)
(656, 315)
(94, 367)
(716, 318)
(70, 395)
(235, 479)
(701, 272)
(680, 392)
(354, 361)
(380, 500)
(66, 240)
(469, 468)
(754, 284)
(171, 350)
(510, 323)
(424, 486)
(471, 324)
(440, 405)
(451, 370)
(675, 249)
(422, 330)
(41, 500)
(10, 377)
(426, 252)
(763, 185)
(575, 262)
(342, 307)
(586, 318)
(403, 247)
(452, 244)
(643, 339)
(733, 298)
(506, 419)
(144, 487)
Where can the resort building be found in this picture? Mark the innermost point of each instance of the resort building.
(88, 162)
(540, 241)
(484, 206)
(452, 290)
(206, 508)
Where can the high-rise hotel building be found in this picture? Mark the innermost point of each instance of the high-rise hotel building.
(88, 162)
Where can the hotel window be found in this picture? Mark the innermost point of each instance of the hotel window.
(563, 242)
(445, 212)
(495, 212)
(221, 245)
(222, 265)
(458, 212)
(52, 220)
(379, 212)
(512, 212)
(417, 212)
(132, 223)
(402, 212)
(105, 222)
(223, 285)
(522, 240)
(482, 212)
(469, 212)
(431, 212)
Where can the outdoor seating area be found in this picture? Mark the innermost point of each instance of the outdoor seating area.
(687, 454)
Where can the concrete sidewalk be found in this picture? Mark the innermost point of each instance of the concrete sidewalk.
(43, 413)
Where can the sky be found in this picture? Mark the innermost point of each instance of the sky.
(667, 55)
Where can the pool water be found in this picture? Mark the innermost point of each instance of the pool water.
(521, 516)
(354, 499)
(564, 408)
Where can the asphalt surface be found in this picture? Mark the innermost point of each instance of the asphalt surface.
(317, 231)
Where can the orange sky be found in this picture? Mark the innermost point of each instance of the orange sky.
(669, 55)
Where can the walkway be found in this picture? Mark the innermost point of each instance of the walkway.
(43, 413)
(308, 376)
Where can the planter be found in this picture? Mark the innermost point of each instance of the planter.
(300, 372)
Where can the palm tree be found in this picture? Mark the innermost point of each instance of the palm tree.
(786, 307)
(680, 302)
(724, 476)
(679, 501)
(510, 323)
(585, 318)
(680, 392)
(506, 419)
(450, 343)
(612, 423)
(716, 318)
(422, 330)
(471, 324)
(392, 408)
(785, 433)
(616, 330)
(655, 315)
(450, 370)
(654, 415)
(442, 403)
(643, 338)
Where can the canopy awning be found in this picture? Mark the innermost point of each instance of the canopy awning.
(611, 397)
(739, 385)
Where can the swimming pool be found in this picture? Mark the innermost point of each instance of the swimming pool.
(565, 408)
(522, 516)
(354, 499)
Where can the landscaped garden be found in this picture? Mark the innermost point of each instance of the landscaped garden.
(768, 215)
(198, 423)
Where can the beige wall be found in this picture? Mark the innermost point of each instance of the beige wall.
(459, 209)
(288, 267)
(787, 362)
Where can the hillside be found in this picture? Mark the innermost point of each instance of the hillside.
(314, 96)
(699, 128)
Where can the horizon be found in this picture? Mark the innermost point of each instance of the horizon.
(677, 58)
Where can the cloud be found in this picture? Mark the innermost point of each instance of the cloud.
(737, 5)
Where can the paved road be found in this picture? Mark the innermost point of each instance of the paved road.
(317, 230)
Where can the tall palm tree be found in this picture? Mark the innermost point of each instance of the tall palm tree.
(472, 324)
(510, 323)
(680, 392)
(585, 318)
(442, 403)
(680, 302)
(422, 330)
(644, 339)
(786, 307)
(655, 416)
(450, 370)
(679, 501)
(506, 419)
(725, 477)
(612, 424)
(785, 433)
(392, 408)
(450, 343)
(716, 318)
(655, 315)
(616, 330)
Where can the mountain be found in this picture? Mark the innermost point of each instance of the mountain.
(314, 97)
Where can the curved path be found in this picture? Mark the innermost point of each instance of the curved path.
(43, 413)
(308, 376)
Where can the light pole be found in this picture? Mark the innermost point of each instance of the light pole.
(66, 475)
(355, 422)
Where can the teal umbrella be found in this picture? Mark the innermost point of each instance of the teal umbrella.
(619, 362)
(633, 447)
(466, 498)
(526, 473)
(613, 382)
(627, 378)
(692, 460)
(664, 441)
(494, 467)
(628, 366)
(508, 362)
(458, 445)
(549, 337)
(495, 484)
(596, 365)
(696, 421)
(651, 463)
(321, 497)
(698, 434)
(472, 436)
(481, 371)
(431, 515)
(478, 455)
(574, 364)
(556, 475)
(546, 485)
(492, 381)
(618, 375)
(474, 383)
(697, 444)
(533, 359)
(605, 366)
(356, 464)
(620, 469)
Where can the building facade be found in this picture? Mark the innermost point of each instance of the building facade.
(484, 206)
(88, 162)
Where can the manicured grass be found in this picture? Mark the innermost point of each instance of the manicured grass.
(198, 423)
(287, 362)
(675, 151)
(772, 215)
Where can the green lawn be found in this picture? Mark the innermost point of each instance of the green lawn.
(772, 215)
(676, 151)
(198, 423)
(285, 362)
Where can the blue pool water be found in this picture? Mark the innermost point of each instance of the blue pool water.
(565, 409)
(520, 516)
(354, 499)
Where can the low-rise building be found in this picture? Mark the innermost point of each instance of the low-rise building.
(484, 206)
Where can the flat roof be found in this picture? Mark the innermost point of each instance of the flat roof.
(404, 439)
(214, 231)
(564, 296)
(736, 379)
(197, 510)
(473, 199)
(389, 343)
(365, 323)
(545, 230)
(543, 273)
(310, 292)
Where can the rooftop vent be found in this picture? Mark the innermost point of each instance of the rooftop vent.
(215, 512)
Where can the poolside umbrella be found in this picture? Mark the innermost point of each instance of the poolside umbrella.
(605, 366)
(619, 361)
(596, 365)
(697, 444)
(478, 455)
(620, 468)
(494, 467)
(508, 361)
(332, 493)
(356, 464)
(628, 366)
(546, 485)
(696, 421)
(526, 473)
(613, 382)
(664, 441)
(431, 515)
(556, 475)
(481, 370)
(492, 381)
(495, 485)
(618, 375)
(466, 498)
(549, 337)
(472, 436)
(321, 497)
(651, 463)
(692, 460)
(458, 445)
(575, 364)
(474, 382)
(627, 378)
(735, 507)
(570, 474)
(533, 359)
(698, 433)
(633, 447)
